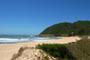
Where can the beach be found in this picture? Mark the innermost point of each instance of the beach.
(8, 50)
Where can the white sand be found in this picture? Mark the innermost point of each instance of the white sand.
(7, 50)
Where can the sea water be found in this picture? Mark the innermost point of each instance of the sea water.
(13, 39)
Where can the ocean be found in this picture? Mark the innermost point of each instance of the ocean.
(14, 39)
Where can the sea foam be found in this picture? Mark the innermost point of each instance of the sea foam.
(21, 40)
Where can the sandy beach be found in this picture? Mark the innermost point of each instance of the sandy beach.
(7, 50)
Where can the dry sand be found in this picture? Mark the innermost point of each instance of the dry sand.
(7, 50)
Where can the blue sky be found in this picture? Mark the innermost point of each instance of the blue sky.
(33, 16)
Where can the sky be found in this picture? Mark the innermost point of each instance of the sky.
(33, 16)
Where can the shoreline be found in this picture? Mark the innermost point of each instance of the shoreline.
(25, 40)
(8, 50)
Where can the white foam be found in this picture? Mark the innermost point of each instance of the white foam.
(40, 40)
(11, 40)
(18, 40)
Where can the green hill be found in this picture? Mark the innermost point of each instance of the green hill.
(68, 29)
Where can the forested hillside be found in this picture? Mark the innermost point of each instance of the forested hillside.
(68, 29)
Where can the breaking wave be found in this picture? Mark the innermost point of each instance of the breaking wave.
(21, 40)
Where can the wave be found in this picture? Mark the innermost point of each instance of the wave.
(12, 40)
(20, 40)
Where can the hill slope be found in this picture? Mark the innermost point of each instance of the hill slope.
(66, 28)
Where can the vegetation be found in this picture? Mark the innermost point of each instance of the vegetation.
(80, 49)
(57, 50)
(74, 51)
(68, 29)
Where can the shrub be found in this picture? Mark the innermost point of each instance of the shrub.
(56, 50)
